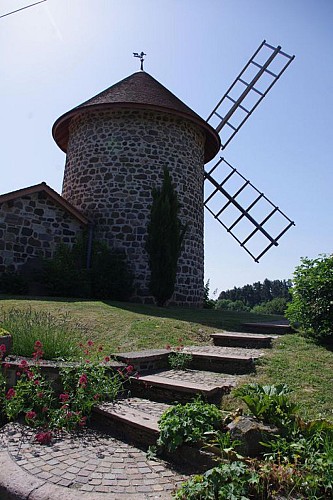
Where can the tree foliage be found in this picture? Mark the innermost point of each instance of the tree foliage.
(258, 293)
(164, 241)
(312, 297)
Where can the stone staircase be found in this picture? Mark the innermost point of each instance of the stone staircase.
(213, 372)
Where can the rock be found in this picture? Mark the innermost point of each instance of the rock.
(250, 432)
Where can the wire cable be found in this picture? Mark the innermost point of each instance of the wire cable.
(18, 10)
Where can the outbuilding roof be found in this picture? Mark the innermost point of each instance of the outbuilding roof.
(138, 91)
(50, 193)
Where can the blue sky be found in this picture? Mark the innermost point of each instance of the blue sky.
(62, 52)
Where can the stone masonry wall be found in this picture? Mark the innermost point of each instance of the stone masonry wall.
(30, 227)
(114, 159)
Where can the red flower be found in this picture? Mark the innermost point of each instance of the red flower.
(44, 437)
(6, 365)
(23, 364)
(38, 344)
(40, 394)
(30, 415)
(3, 348)
(90, 343)
(10, 393)
(37, 382)
(18, 374)
(83, 380)
(107, 359)
(64, 397)
(83, 421)
(129, 368)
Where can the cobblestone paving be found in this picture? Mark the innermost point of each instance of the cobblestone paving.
(199, 377)
(225, 351)
(91, 462)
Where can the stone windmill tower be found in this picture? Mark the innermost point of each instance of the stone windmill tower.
(118, 142)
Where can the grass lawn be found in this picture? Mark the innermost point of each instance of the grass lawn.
(304, 366)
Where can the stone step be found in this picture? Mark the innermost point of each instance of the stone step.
(133, 419)
(239, 339)
(182, 386)
(231, 360)
(145, 361)
(274, 328)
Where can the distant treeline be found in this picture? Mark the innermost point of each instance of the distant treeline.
(258, 293)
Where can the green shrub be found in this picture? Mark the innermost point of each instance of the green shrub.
(60, 335)
(274, 306)
(228, 481)
(187, 423)
(269, 403)
(231, 305)
(13, 283)
(109, 277)
(109, 274)
(312, 297)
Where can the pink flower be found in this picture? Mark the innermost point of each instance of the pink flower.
(10, 393)
(37, 382)
(129, 368)
(64, 397)
(90, 343)
(44, 437)
(38, 344)
(3, 348)
(30, 415)
(23, 364)
(107, 359)
(83, 421)
(6, 365)
(83, 380)
(18, 374)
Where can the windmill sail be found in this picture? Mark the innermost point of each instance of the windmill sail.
(246, 213)
(247, 91)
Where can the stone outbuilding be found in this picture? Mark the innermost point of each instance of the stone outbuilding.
(33, 221)
(117, 145)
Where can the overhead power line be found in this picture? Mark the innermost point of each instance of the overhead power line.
(18, 10)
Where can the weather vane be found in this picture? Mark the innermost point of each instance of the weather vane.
(136, 54)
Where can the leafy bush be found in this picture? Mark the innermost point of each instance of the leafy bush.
(187, 423)
(231, 305)
(12, 282)
(269, 403)
(84, 385)
(59, 335)
(109, 276)
(312, 297)
(228, 481)
(275, 306)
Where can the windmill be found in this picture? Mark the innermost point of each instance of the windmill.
(118, 142)
(243, 210)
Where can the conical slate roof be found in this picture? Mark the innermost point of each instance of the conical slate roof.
(138, 91)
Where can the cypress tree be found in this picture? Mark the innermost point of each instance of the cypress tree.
(164, 240)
